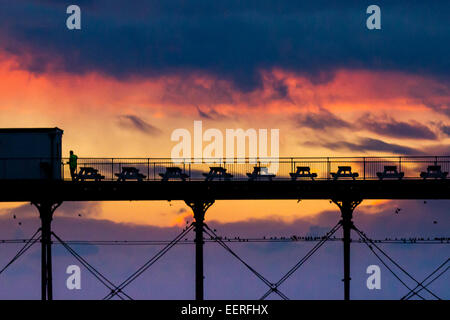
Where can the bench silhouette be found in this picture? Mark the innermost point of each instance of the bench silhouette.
(173, 173)
(344, 172)
(217, 172)
(434, 172)
(390, 172)
(303, 172)
(260, 173)
(89, 173)
(129, 173)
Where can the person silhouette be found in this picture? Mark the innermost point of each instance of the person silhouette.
(73, 165)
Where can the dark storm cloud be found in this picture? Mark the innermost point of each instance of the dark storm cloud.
(383, 126)
(203, 114)
(368, 144)
(232, 40)
(135, 123)
(320, 120)
(436, 98)
(211, 114)
(281, 90)
(396, 129)
(446, 129)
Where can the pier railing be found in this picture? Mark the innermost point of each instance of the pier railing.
(366, 167)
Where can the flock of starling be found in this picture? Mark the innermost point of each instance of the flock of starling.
(14, 217)
(20, 222)
(397, 211)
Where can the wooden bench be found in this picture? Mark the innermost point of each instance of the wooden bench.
(260, 173)
(88, 173)
(344, 172)
(217, 172)
(390, 172)
(129, 173)
(303, 172)
(434, 172)
(173, 173)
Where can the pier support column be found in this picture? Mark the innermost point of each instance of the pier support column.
(347, 207)
(199, 208)
(46, 210)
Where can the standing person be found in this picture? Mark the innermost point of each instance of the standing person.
(73, 165)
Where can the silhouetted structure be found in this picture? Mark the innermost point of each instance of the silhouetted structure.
(344, 188)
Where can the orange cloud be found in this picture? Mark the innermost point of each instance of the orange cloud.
(90, 109)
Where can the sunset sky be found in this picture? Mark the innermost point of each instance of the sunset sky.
(138, 70)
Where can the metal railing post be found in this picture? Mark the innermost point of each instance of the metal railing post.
(328, 168)
(364, 166)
